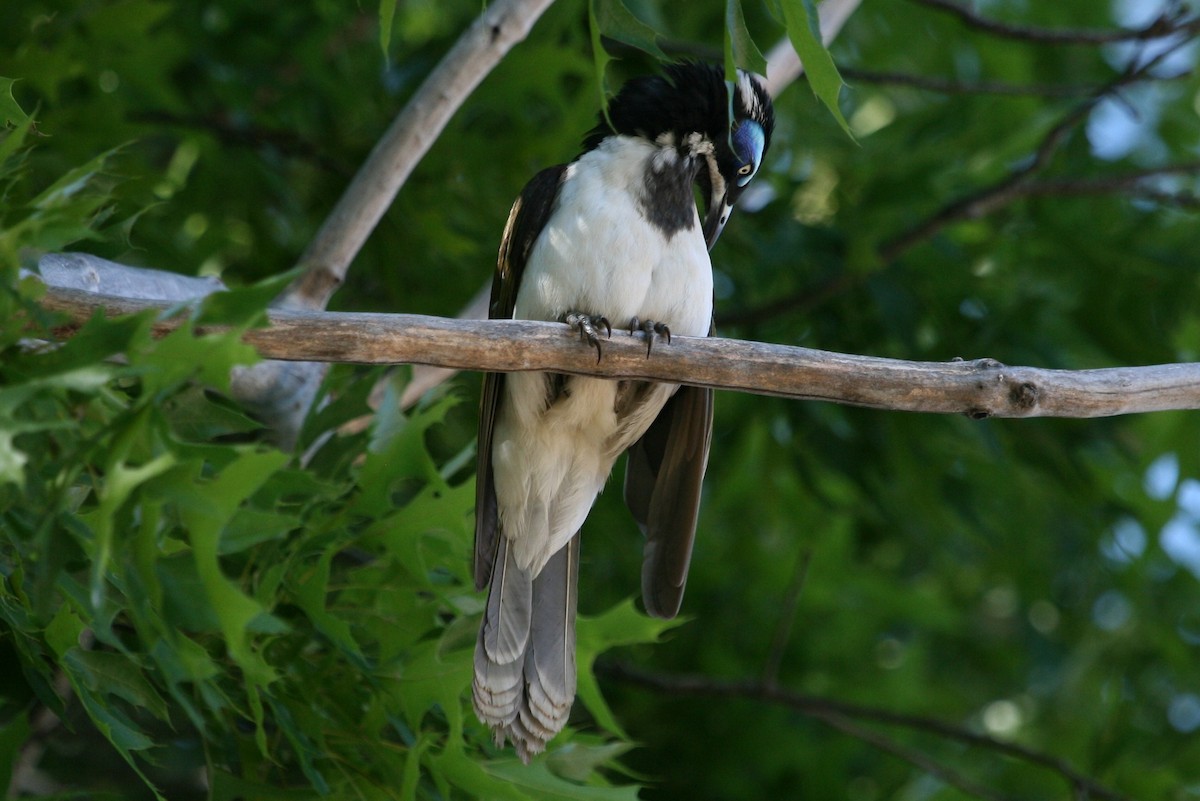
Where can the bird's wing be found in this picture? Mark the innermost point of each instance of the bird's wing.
(662, 488)
(525, 223)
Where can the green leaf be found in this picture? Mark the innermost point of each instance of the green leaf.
(196, 414)
(11, 112)
(430, 681)
(13, 735)
(62, 633)
(303, 745)
(244, 307)
(577, 760)
(113, 674)
(804, 31)
(67, 188)
(617, 22)
(475, 777)
(610, 18)
(740, 49)
(623, 624)
(11, 142)
(183, 355)
(94, 678)
(387, 17)
(397, 459)
(101, 338)
(205, 508)
(541, 782)
(311, 590)
(250, 527)
(12, 460)
(226, 787)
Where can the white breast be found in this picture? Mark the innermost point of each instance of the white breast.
(600, 256)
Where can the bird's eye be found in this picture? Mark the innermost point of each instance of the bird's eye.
(745, 169)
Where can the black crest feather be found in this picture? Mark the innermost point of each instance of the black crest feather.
(689, 97)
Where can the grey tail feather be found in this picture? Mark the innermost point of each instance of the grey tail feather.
(526, 697)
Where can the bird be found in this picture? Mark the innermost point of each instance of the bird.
(613, 237)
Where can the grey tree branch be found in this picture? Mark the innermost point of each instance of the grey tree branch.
(783, 69)
(277, 392)
(281, 393)
(979, 388)
(502, 24)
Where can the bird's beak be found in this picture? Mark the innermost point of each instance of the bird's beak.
(715, 218)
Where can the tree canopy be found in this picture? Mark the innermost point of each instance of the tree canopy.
(881, 604)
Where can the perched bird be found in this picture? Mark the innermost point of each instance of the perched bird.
(613, 236)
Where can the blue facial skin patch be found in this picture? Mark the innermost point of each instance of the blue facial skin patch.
(748, 141)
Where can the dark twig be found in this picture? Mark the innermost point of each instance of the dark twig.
(989, 198)
(1132, 182)
(223, 128)
(912, 756)
(829, 710)
(808, 298)
(1166, 24)
(949, 86)
(787, 617)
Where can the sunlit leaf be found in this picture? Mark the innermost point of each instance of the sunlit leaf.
(11, 112)
(740, 50)
(804, 31)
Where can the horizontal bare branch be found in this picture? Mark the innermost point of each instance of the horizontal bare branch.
(979, 388)
(838, 713)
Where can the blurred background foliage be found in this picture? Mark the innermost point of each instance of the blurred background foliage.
(238, 624)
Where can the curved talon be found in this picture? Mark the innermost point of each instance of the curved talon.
(650, 328)
(586, 325)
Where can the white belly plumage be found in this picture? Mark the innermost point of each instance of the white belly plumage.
(599, 257)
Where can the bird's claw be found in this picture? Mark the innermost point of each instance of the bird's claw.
(588, 327)
(650, 328)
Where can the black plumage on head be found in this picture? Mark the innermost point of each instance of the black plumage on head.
(689, 97)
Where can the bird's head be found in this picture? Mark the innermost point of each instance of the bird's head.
(722, 129)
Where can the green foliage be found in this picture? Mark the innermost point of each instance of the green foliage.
(195, 599)
(290, 627)
(740, 50)
(184, 598)
(804, 31)
(611, 19)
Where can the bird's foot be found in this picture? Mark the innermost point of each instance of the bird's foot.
(588, 326)
(651, 328)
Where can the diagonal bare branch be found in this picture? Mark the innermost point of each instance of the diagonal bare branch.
(1170, 22)
(987, 199)
(502, 24)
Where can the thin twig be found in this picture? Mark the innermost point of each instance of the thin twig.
(225, 129)
(913, 756)
(1166, 24)
(987, 199)
(827, 708)
(787, 618)
(1130, 182)
(933, 83)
